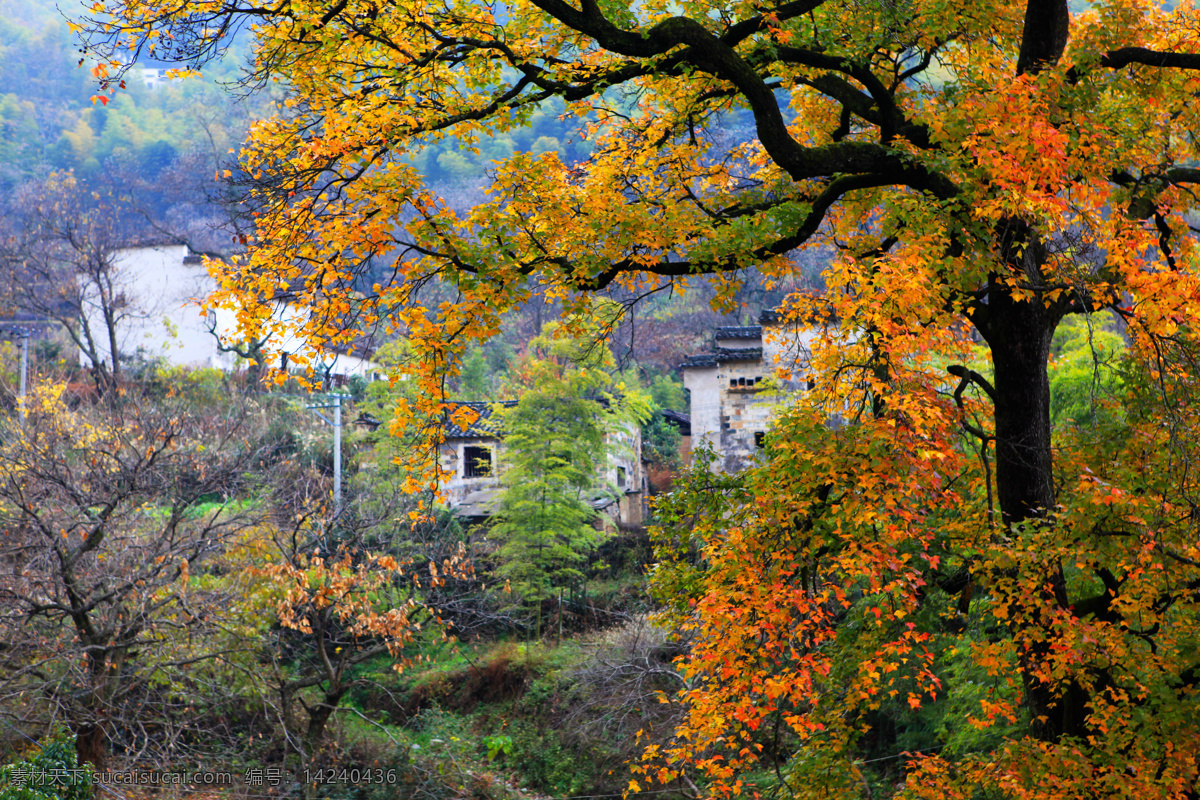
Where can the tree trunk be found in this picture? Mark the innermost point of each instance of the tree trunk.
(318, 719)
(1019, 332)
(104, 666)
(91, 745)
(314, 736)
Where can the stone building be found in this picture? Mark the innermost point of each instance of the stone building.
(736, 390)
(474, 459)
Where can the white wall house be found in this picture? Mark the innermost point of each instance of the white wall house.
(157, 291)
(474, 459)
(732, 407)
(154, 291)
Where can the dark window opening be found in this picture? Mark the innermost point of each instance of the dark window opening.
(477, 462)
(760, 439)
(811, 384)
(620, 476)
(733, 381)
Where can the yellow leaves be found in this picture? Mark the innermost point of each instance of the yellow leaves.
(831, 568)
(180, 74)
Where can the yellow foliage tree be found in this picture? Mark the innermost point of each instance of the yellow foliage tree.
(977, 164)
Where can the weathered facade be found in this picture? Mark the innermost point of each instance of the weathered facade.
(474, 460)
(738, 387)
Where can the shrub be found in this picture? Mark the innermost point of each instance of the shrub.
(50, 774)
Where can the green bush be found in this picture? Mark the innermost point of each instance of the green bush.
(51, 774)
(545, 764)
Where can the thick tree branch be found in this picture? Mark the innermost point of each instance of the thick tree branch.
(1123, 57)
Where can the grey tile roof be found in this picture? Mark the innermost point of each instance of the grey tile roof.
(739, 332)
(723, 355)
(680, 420)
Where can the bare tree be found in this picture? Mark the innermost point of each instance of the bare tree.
(59, 255)
(620, 700)
(106, 511)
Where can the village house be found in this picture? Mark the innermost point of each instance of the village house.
(735, 389)
(157, 292)
(473, 458)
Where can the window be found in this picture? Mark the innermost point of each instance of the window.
(760, 439)
(477, 462)
(620, 476)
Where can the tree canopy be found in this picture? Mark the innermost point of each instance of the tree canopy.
(980, 167)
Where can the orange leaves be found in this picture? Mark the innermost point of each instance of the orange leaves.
(822, 588)
(806, 613)
(362, 591)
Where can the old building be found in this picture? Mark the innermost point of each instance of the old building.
(738, 387)
(154, 309)
(473, 458)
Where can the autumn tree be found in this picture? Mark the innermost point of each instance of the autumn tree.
(106, 512)
(315, 614)
(325, 600)
(977, 165)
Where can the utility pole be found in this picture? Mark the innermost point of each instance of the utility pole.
(23, 334)
(336, 424)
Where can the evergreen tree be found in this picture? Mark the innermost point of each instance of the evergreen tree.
(557, 441)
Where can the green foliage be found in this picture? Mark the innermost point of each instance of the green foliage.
(545, 763)
(678, 576)
(548, 129)
(50, 774)
(557, 441)
(660, 441)
(475, 383)
(1085, 376)
(165, 139)
(667, 392)
(555, 447)
(497, 746)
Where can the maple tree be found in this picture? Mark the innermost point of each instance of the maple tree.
(976, 165)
